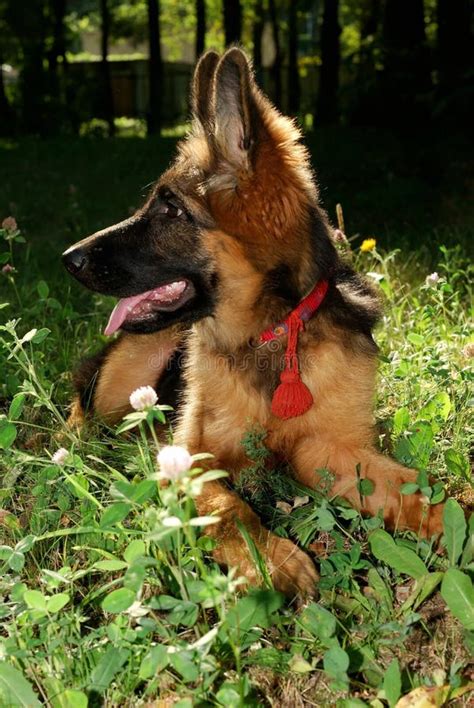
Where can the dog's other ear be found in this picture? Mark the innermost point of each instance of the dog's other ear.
(236, 118)
(202, 88)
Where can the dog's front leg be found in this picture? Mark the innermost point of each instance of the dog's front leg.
(348, 465)
(291, 570)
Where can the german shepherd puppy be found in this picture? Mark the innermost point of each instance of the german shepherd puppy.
(230, 241)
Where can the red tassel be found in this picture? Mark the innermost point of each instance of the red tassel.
(292, 397)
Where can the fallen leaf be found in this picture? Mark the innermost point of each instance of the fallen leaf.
(425, 697)
(300, 501)
(284, 507)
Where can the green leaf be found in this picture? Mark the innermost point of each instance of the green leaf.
(118, 600)
(134, 550)
(392, 683)
(35, 600)
(401, 421)
(7, 434)
(254, 610)
(111, 565)
(185, 664)
(72, 699)
(154, 661)
(135, 576)
(416, 339)
(40, 335)
(15, 690)
(401, 559)
(336, 662)
(457, 464)
(114, 514)
(184, 613)
(57, 602)
(109, 664)
(381, 590)
(16, 406)
(229, 696)
(365, 487)
(457, 591)
(319, 622)
(454, 527)
(414, 448)
(409, 488)
(16, 561)
(43, 289)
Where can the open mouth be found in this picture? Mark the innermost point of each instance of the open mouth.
(143, 307)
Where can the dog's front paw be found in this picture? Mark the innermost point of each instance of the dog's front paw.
(292, 571)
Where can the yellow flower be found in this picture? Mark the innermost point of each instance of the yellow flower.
(368, 245)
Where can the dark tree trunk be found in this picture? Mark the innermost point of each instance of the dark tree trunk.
(200, 27)
(276, 68)
(108, 98)
(454, 42)
(257, 33)
(365, 105)
(232, 21)
(57, 51)
(293, 72)
(327, 106)
(30, 28)
(155, 67)
(58, 47)
(406, 73)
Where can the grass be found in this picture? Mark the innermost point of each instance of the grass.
(108, 594)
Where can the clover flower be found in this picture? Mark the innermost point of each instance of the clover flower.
(60, 456)
(9, 224)
(174, 461)
(7, 269)
(368, 244)
(432, 279)
(468, 351)
(143, 397)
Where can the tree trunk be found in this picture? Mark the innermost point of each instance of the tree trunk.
(108, 99)
(200, 27)
(406, 73)
(293, 72)
(454, 42)
(327, 106)
(276, 68)
(232, 21)
(155, 67)
(57, 51)
(257, 33)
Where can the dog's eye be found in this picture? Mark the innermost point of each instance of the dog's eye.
(170, 210)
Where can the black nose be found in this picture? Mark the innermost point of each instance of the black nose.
(75, 260)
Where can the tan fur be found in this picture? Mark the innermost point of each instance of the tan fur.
(136, 360)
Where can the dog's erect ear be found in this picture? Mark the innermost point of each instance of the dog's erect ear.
(235, 112)
(202, 89)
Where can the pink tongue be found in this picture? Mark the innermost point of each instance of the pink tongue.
(162, 295)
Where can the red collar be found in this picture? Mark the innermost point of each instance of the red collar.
(292, 397)
(303, 311)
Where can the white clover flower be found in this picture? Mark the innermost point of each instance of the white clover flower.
(136, 610)
(174, 462)
(9, 224)
(143, 398)
(60, 456)
(432, 279)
